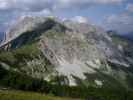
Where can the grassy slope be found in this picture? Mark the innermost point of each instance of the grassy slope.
(14, 57)
(19, 95)
(29, 51)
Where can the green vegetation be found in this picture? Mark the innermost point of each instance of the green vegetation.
(53, 33)
(120, 40)
(127, 44)
(108, 81)
(18, 81)
(18, 55)
(21, 81)
(20, 95)
(56, 32)
(16, 59)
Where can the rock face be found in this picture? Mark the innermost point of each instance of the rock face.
(81, 52)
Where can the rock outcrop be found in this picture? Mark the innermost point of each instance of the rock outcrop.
(78, 51)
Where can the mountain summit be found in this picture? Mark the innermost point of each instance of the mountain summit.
(78, 53)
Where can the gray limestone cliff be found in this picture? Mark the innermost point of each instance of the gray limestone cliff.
(44, 47)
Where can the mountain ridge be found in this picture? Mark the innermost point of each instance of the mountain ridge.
(51, 48)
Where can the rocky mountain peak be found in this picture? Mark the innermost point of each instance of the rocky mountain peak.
(74, 50)
(23, 24)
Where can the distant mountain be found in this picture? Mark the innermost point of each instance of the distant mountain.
(129, 36)
(77, 53)
(1, 36)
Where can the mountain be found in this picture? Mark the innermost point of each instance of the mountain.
(126, 36)
(1, 36)
(129, 36)
(77, 53)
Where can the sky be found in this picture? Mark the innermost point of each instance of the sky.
(110, 14)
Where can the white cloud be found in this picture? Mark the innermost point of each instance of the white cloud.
(123, 23)
(6, 4)
(3, 5)
(90, 1)
(84, 3)
(46, 7)
(45, 12)
(80, 19)
(108, 1)
(37, 5)
(25, 5)
(130, 7)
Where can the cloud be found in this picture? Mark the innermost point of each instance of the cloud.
(80, 19)
(3, 5)
(80, 4)
(11, 9)
(15, 8)
(90, 1)
(130, 7)
(123, 23)
(108, 1)
(25, 5)
(3, 26)
(38, 5)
